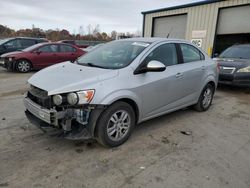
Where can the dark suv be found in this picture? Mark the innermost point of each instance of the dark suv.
(17, 43)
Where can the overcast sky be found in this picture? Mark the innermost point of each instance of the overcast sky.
(119, 15)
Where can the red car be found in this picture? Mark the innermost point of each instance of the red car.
(75, 43)
(40, 56)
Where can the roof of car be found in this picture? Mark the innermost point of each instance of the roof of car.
(153, 39)
(58, 43)
(43, 43)
(66, 41)
(242, 45)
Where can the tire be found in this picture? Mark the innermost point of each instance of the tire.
(112, 131)
(23, 66)
(205, 99)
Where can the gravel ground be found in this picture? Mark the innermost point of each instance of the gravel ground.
(216, 153)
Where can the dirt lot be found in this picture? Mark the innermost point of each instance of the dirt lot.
(216, 154)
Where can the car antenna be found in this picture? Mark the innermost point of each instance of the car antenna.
(169, 32)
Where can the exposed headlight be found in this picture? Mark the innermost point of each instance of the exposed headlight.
(246, 69)
(57, 100)
(80, 97)
(11, 58)
(72, 98)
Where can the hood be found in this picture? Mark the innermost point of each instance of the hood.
(11, 54)
(67, 77)
(237, 63)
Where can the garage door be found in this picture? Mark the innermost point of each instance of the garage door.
(171, 26)
(234, 20)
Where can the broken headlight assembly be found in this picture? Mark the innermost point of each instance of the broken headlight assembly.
(74, 98)
(57, 99)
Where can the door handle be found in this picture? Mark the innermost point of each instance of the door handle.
(178, 75)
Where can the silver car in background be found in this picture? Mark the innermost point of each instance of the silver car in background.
(109, 90)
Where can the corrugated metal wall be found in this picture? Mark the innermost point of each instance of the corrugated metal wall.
(202, 17)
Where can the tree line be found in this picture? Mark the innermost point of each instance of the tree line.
(93, 33)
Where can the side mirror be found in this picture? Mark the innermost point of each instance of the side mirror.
(152, 66)
(155, 66)
(37, 52)
(216, 55)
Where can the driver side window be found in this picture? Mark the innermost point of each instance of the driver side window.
(49, 48)
(13, 44)
(165, 54)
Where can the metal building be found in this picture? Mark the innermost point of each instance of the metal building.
(212, 25)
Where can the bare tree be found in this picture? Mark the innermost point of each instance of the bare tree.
(113, 35)
(81, 30)
(89, 29)
(96, 30)
(138, 33)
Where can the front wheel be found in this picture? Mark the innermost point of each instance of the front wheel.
(23, 66)
(205, 99)
(115, 124)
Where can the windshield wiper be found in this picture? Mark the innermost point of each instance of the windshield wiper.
(94, 65)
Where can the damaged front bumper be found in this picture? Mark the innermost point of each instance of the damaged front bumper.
(9, 65)
(49, 116)
(71, 123)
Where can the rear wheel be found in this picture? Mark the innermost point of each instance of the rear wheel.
(23, 66)
(205, 99)
(115, 124)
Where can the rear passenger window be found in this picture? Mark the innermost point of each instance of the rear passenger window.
(26, 42)
(165, 53)
(67, 48)
(191, 53)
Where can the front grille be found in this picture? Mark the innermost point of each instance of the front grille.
(226, 78)
(227, 70)
(39, 96)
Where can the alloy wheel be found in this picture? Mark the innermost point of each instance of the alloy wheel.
(207, 97)
(23, 66)
(118, 125)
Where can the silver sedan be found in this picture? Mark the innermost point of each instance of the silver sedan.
(109, 90)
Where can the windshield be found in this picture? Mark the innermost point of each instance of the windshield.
(113, 55)
(33, 47)
(238, 52)
(2, 41)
